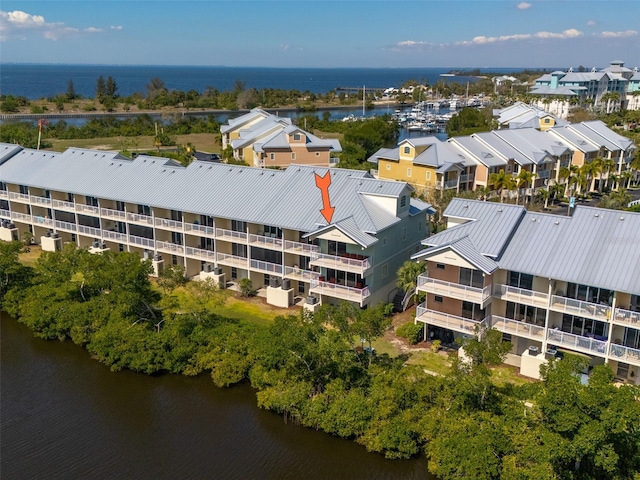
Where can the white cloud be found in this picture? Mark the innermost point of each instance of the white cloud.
(18, 23)
(626, 33)
(524, 6)
(591, 23)
(482, 40)
(116, 27)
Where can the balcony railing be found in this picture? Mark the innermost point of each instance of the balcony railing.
(627, 317)
(4, 194)
(118, 237)
(169, 247)
(90, 231)
(5, 213)
(40, 200)
(200, 253)
(581, 308)
(199, 229)
(299, 248)
(231, 235)
(113, 214)
(266, 267)
(263, 241)
(142, 241)
(42, 221)
(21, 217)
(301, 275)
(65, 226)
(167, 224)
(520, 295)
(624, 354)
(452, 322)
(453, 290)
(340, 291)
(19, 197)
(577, 342)
(448, 184)
(519, 329)
(231, 260)
(345, 264)
(466, 178)
(62, 205)
(543, 173)
(140, 219)
(90, 209)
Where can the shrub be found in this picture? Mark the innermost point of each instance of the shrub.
(246, 287)
(411, 331)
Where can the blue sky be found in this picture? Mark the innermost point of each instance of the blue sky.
(316, 33)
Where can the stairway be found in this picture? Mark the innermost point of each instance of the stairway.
(398, 302)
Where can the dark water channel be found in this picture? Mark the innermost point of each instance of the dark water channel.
(66, 416)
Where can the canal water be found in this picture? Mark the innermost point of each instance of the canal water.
(66, 416)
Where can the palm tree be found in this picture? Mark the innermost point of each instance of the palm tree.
(614, 180)
(408, 277)
(596, 169)
(625, 179)
(608, 165)
(524, 178)
(501, 181)
(587, 170)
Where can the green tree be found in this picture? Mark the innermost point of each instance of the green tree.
(71, 91)
(501, 181)
(408, 275)
(523, 180)
(101, 89)
(466, 122)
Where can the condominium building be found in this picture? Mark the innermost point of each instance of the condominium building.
(552, 284)
(344, 241)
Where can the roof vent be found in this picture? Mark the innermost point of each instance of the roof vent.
(621, 218)
(533, 219)
(164, 170)
(597, 215)
(466, 205)
(111, 164)
(556, 223)
(500, 210)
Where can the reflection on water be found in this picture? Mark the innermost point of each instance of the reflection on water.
(67, 416)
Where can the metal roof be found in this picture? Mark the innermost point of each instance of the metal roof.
(498, 145)
(479, 151)
(576, 140)
(466, 249)
(349, 227)
(235, 123)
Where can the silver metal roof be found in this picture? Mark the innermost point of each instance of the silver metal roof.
(235, 123)
(498, 145)
(576, 140)
(465, 248)
(479, 151)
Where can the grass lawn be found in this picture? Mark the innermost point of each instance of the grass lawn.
(253, 309)
(29, 258)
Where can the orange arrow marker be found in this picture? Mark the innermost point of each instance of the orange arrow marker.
(323, 184)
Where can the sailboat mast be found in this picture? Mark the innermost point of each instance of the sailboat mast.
(364, 88)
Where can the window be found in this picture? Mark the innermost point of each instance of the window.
(547, 120)
(234, 273)
(408, 172)
(272, 156)
(403, 201)
(3, 186)
(24, 190)
(119, 206)
(471, 278)
(238, 226)
(429, 176)
(521, 280)
(407, 150)
(385, 270)
(440, 266)
(144, 210)
(293, 156)
(438, 298)
(388, 166)
(296, 137)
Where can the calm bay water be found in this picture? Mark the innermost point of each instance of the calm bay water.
(67, 416)
(37, 81)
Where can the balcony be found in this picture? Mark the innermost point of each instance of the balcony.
(299, 248)
(21, 217)
(168, 247)
(62, 205)
(4, 194)
(466, 178)
(581, 308)
(263, 241)
(345, 263)
(200, 230)
(577, 342)
(113, 214)
(167, 224)
(118, 237)
(455, 290)
(295, 273)
(445, 320)
(200, 254)
(624, 354)
(42, 201)
(139, 219)
(543, 173)
(627, 318)
(142, 241)
(520, 295)
(343, 292)
(266, 267)
(519, 329)
(231, 235)
(65, 226)
(440, 185)
(90, 231)
(19, 197)
(42, 221)
(87, 209)
(231, 260)
(5, 213)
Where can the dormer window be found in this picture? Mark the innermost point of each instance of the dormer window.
(407, 150)
(297, 137)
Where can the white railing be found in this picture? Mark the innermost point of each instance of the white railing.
(519, 329)
(520, 295)
(200, 253)
(169, 247)
(5, 213)
(91, 231)
(20, 197)
(452, 322)
(22, 217)
(90, 209)
(624, 354)
(168, 224)
(374, 173)
(139, 218)
(201, 229)
(334, 160)
(577, 342)
(299, 274)
(466, 178)
(231, 260)
(118, 237)
(300, 248)
(68, 226)
(340, 291)
(579, 307)
(266, 242)
(4, 194)
(627, 317)
(454, 290)
(114, 214)
(266, 267)
(145, 242)
(40, 200)
(231, 235)
(39, 219)
(346, 264)
(449, 183)
(543, 173)
(62, 205)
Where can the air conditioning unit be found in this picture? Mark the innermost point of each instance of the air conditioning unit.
(274, 282)
(103, 245)
(96, 244)
(217, 271)
(55, 235)
(286, 284)
(208, 267)
(312, 300)
(156, 257)
(48, 234)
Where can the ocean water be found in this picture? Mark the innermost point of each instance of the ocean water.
(38, 81)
